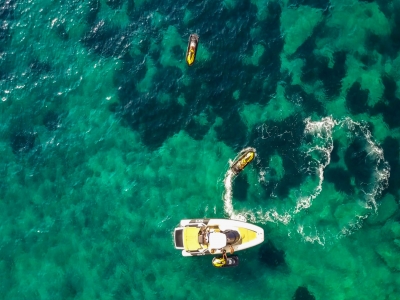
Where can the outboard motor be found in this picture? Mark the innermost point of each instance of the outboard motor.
(232, 237)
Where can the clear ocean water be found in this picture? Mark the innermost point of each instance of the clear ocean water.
(108, 139)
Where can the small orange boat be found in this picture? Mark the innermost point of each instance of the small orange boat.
(192, 49)
(245, 157)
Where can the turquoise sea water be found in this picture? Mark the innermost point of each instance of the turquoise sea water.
(108, 140)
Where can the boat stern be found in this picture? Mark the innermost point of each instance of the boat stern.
(178, 238)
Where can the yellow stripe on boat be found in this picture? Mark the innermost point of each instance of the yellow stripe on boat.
(247, 235)
(191, 238)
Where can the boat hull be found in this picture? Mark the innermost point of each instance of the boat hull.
(245, 157)
(192, 49)
(188, 234)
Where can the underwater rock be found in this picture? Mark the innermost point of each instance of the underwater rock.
(4, 34)
(107, 40)
(240, 187)
(340, 178)
(94, 10)
(356, 99)
(391, 148)
(61, 31)
(51, 120)
(322, 4)
(317, 68)
(232, 135)
(22, 142)
(7, 9)
(115, 4)
(271, 256)
(358, 162)
(195, 130)
(335, 151)
(302, 293)
(307, 101)
(38, 67)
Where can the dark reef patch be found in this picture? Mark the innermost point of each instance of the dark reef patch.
(52, 120)
(317, 67)
(332, 77)
(38, 67)
(357, 99)
(322, 4)
(391, 147)
(357, 162)
(271, 256)
(22, 141)
(240, 187)
(155, 125)
(340, 178)
(386, 45)
(61, 31)
(94, 8)
(389, 107)
(5, 35)
(197, 130)
(308, 102)
(335, 151)
(107, 40)
(367, 59)
(115, 4)
(7, 9)
(283, 138)
(168, 85)
(220, 80)
(390, 88)
(302, 293)
(232, 131)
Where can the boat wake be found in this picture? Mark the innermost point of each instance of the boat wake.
(297, 212)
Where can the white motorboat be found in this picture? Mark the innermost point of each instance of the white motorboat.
(212, 236)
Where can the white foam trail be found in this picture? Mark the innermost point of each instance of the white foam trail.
(319, 154)
(269, 216)
(352, 227)
(311, 239)
(322, 130)
(228, 193)
(381, 172)
(228, 207)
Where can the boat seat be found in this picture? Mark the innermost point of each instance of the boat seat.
(217, 240)
(201, 239)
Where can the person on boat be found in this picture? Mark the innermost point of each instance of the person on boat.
(204, 231)
(220, 261)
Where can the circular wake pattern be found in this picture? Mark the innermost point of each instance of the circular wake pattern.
(343, 174)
